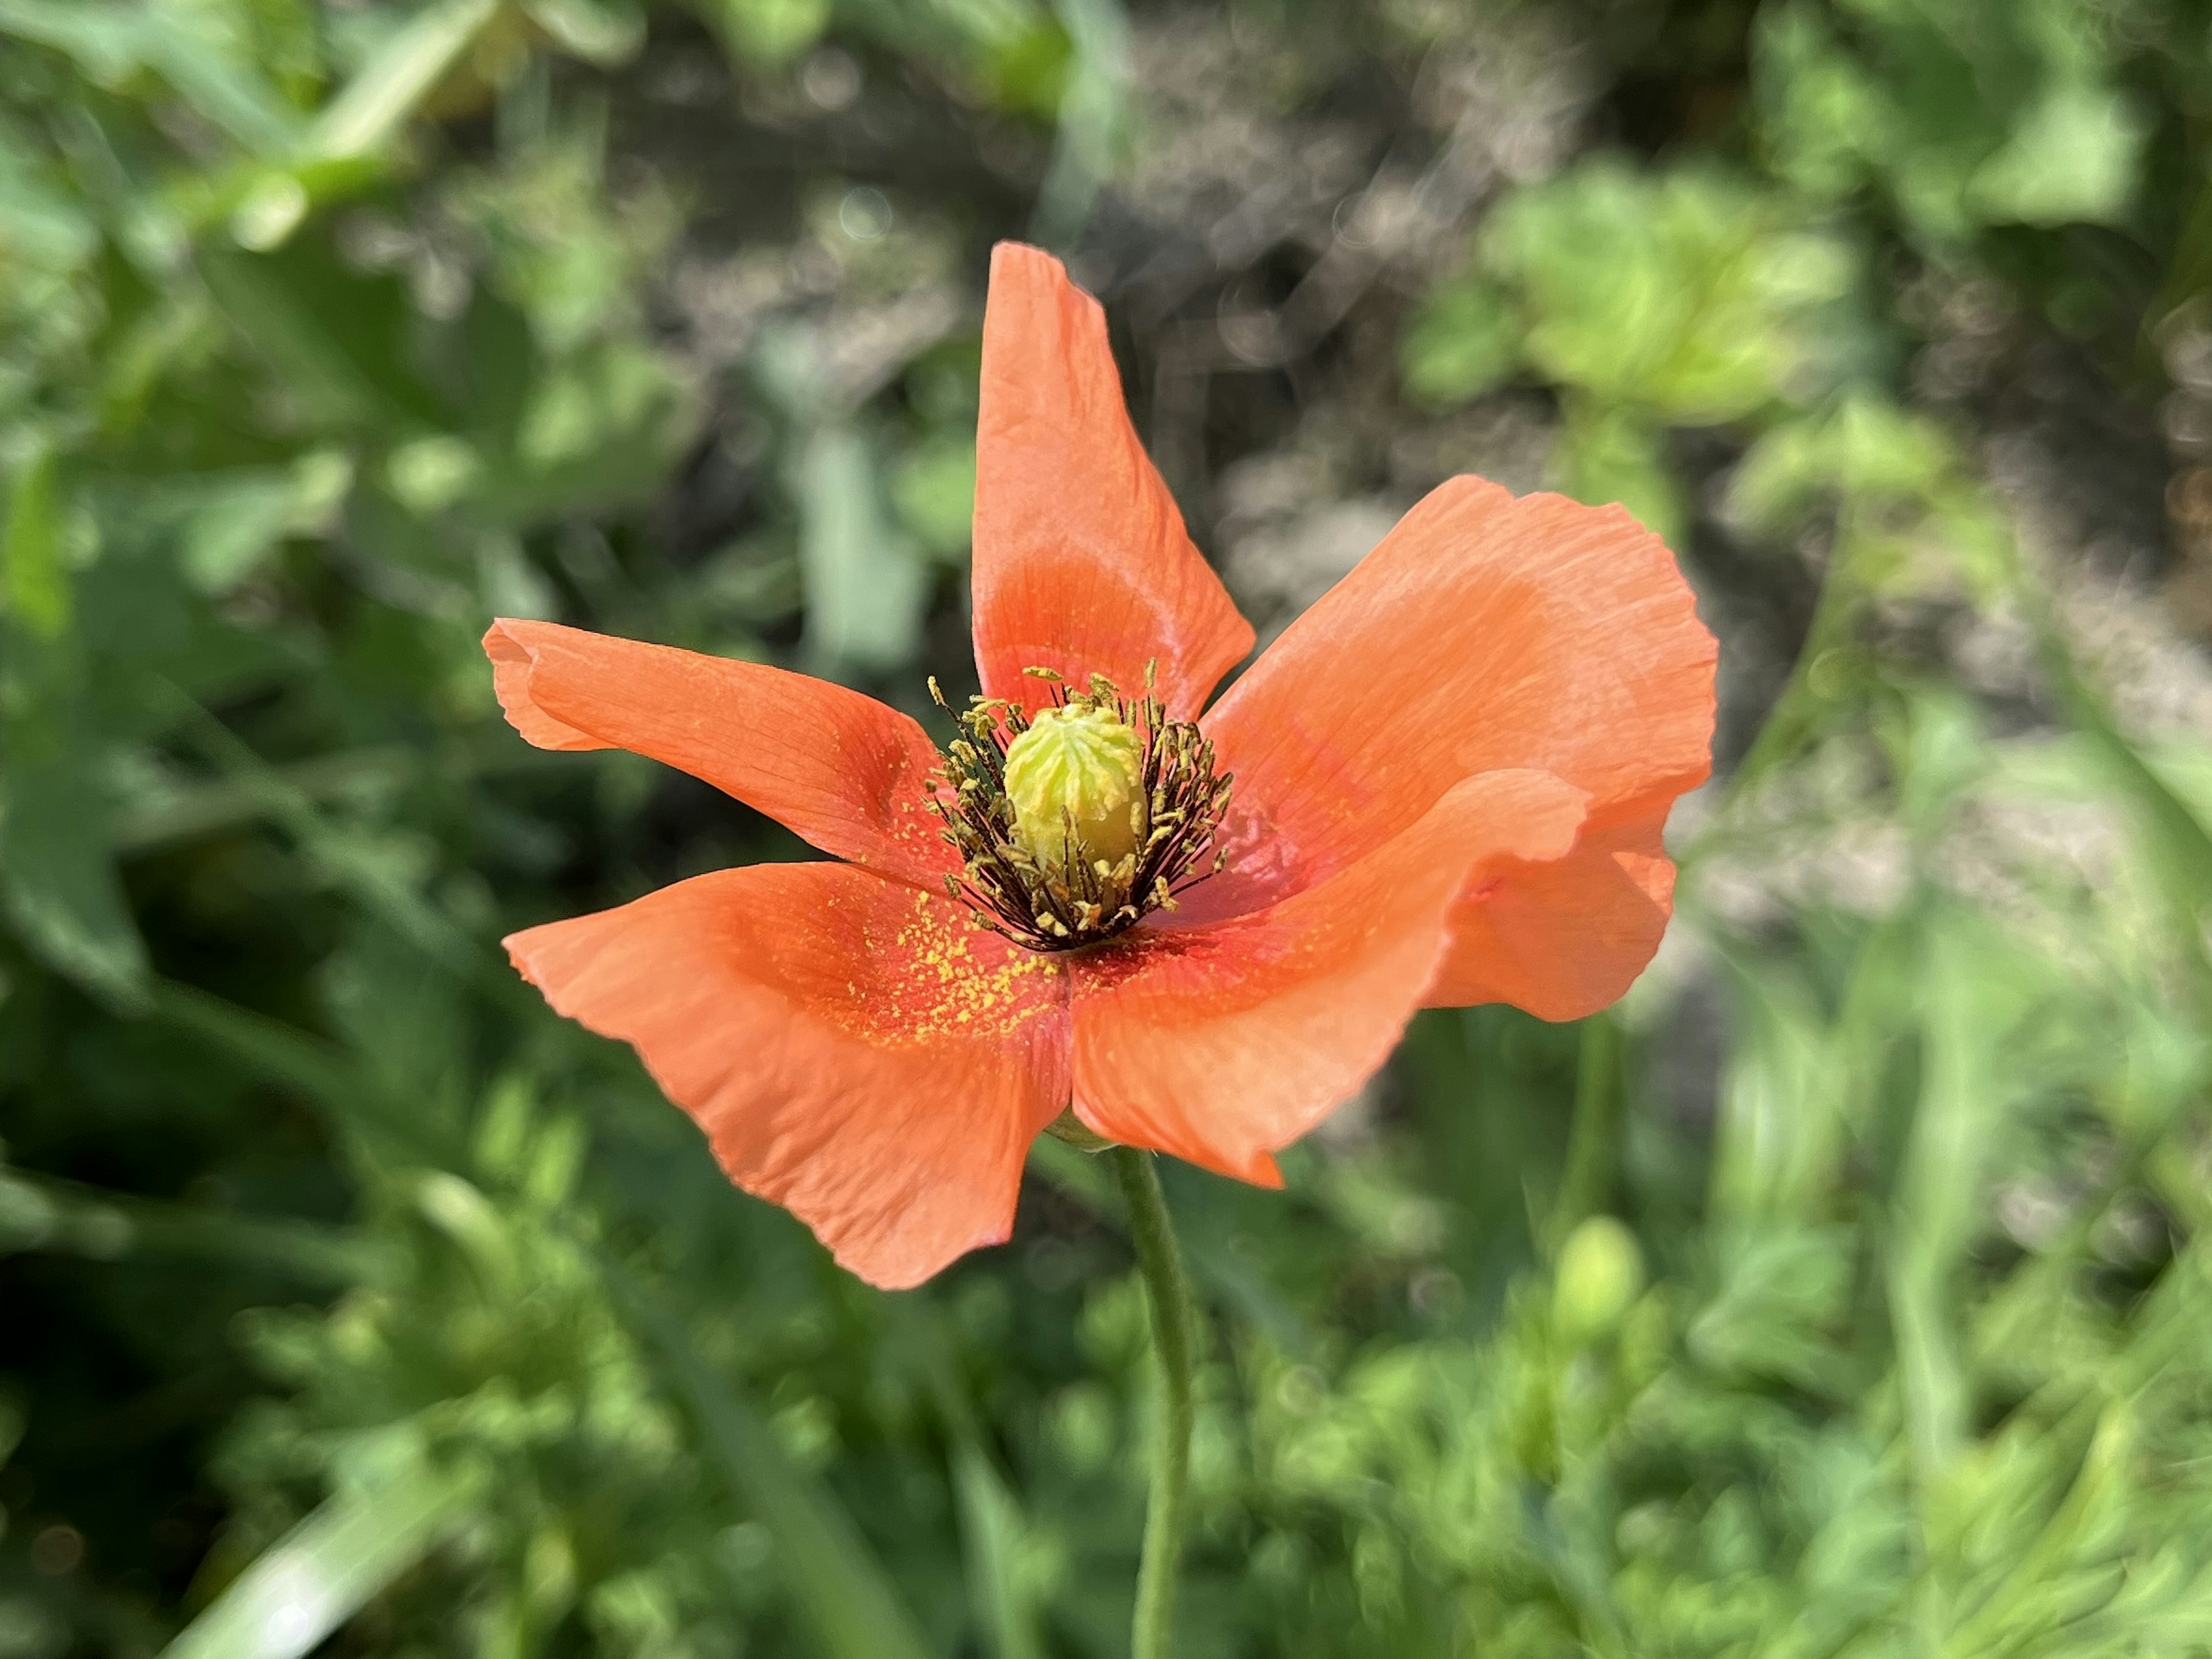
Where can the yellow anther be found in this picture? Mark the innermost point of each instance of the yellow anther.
(1077, 776)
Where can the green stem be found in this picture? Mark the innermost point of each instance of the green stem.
(1593, 1134)
(1174, 1325)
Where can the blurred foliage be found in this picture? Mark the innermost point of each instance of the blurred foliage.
(1843, 1293)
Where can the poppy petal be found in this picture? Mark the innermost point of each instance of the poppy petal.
(1221, 1043)
(1484, 632)
(1565, 939)
(856, 1051)
(1081, 562)
(845, 772)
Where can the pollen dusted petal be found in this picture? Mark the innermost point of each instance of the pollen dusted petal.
(840, 770)
(1484, 632)
(855, 1050)
(1222, 1043)
(1081, 564)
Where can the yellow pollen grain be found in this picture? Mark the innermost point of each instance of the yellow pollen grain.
(948, 992)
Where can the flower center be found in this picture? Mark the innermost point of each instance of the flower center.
(1076, 822)
(1076, 780)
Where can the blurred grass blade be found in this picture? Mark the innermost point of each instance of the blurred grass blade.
(1219, 1277)
(2181, 845)
(321, 1573)
(1956, 1126)
(345, 861)
(337, 334)
(56, 873)
(41, 1213)
(600, 31)
(1594, 1137)
(993, 1531)
(840, 1586)
(108, 41)
(102, 39)
(866, 584)
(1093, 112)
(293, 1060)
(242, 104)
(357, 864)
(378, 101)
(1777, 1140)
(185, 810)
(35, 592)
(57, 880)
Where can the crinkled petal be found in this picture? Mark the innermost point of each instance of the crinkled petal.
(856, 1051)
(1565, 939)
(1222, 1043)
(843, 770)
(1081, 562)
(1484, 632)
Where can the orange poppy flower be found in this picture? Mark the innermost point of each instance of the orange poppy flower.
(1198, 928)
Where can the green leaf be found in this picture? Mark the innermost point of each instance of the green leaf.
(2073, 158)
(222, 525)
(604, 32)
(320, 1573)
(1782, 1290)
(34, 586)
(1690, 294)
(765, 34)
(1965, 117)
(1465, 340)
(601, 428)
(1606, 455)
(364, 118)
(1029, 73)
(934, 489)
(338, 338)
(57, 876)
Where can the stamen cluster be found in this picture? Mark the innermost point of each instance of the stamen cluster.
(1053, 893)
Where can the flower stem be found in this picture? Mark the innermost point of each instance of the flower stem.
(1175, 1324)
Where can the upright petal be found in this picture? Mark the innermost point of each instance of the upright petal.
(1484, 632)
(840, 770)
(856, 1051)
(1221, 1043)
(1081, 562)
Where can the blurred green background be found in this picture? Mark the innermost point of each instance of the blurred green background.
(1847, 1292)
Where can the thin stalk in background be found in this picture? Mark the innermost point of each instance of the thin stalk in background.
(1594, 1138)
(1174, 1338)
